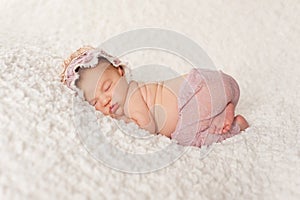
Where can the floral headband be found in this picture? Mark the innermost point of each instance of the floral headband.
(88, 59)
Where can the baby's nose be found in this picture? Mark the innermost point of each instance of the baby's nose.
(105, 101)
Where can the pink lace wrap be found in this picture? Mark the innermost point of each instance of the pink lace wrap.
(202, 98)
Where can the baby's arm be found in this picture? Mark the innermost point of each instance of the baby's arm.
(145, 120)
(142, 115)
(140, 121)
(126, 119)
(139, 112)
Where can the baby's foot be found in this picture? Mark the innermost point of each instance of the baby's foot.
(241, 121)
(229, 115)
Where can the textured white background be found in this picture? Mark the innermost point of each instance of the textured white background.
(257, 42)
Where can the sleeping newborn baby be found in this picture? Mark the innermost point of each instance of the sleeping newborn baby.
(194, 109)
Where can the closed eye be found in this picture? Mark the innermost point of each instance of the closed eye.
(106, 85)
(107, 88)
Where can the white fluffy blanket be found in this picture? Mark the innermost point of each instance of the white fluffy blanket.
(43, 157)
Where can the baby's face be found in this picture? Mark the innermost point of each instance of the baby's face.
(105, 87)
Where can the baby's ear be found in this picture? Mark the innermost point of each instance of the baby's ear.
(121, 70)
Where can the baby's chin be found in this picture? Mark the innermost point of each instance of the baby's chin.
(119, 113)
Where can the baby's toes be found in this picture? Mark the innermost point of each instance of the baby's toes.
(226, 129)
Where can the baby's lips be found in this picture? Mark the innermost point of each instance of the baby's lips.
(113, 108)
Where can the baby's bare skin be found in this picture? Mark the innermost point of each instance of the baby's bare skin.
(161, 112)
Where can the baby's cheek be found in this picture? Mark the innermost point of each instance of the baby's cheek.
(120, 90)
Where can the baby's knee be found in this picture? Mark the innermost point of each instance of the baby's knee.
(236, 91)
(232, 89)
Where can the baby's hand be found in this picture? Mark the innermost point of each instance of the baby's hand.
(222, 123)
(126, 119)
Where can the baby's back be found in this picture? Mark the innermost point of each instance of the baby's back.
(161, 99)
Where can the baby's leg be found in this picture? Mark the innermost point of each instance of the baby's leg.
(228, 121)
(222, 122)
(206, 138)
(232, 94)
(241, 121)
(217, 98)
(229, 116)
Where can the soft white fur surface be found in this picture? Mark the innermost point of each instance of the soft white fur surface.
(257, 42)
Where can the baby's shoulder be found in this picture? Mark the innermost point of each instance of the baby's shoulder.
(133, 87)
